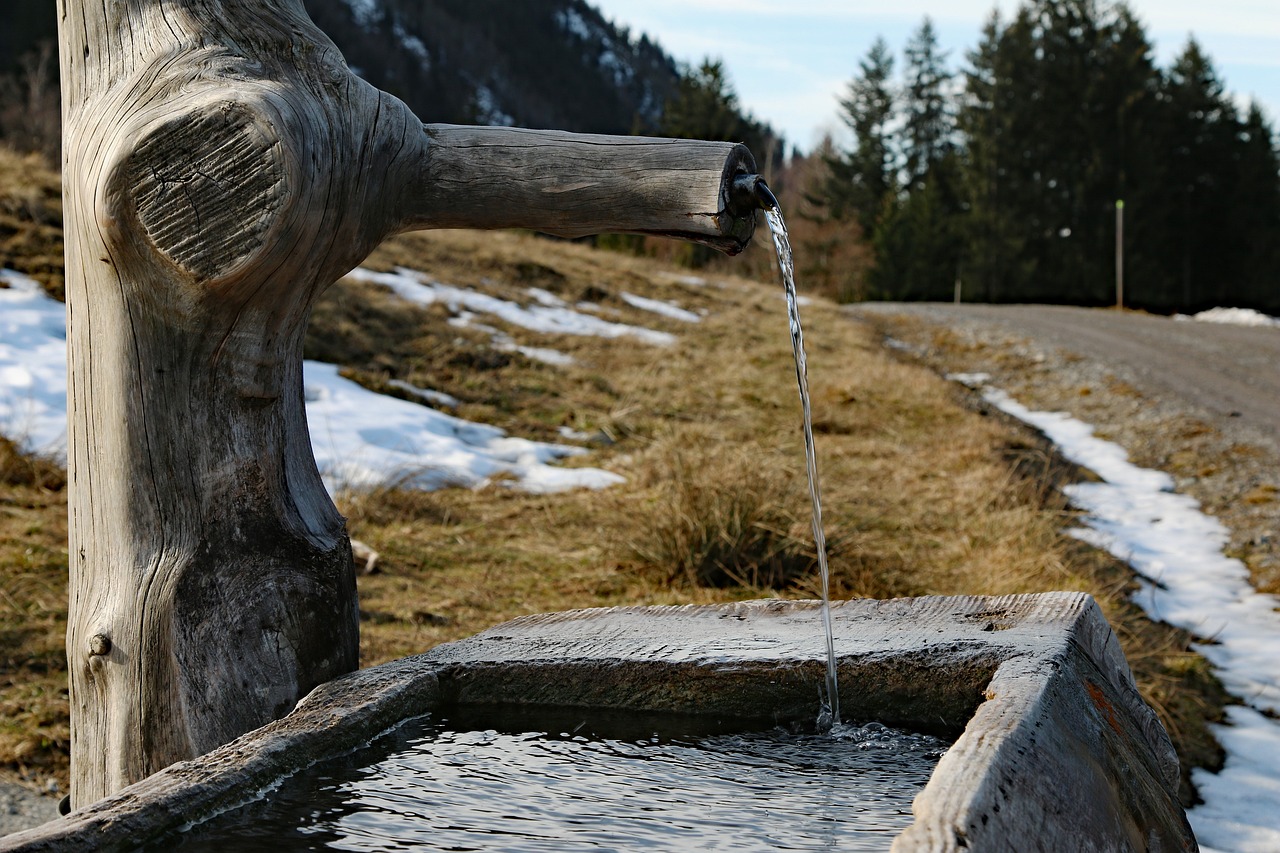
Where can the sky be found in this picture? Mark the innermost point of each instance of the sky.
(790, 60)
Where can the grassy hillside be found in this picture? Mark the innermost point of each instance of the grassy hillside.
(923, 494)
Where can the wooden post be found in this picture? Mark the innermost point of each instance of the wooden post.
(1119, 254)
(222, 168)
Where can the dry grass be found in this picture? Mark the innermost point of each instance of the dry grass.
(921, 494)
(34, 732)
(31, 218)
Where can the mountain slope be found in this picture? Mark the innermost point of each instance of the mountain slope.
(537, 63)
(534, 63)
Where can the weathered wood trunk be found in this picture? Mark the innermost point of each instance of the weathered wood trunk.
(222, 167)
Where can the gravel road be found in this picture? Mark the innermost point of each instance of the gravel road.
(1198, 400)
(1224, 370)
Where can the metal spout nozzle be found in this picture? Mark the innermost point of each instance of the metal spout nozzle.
(748, 193)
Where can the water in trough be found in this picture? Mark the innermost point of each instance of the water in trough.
(500, 779)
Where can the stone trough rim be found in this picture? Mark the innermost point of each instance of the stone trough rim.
(1028, 641)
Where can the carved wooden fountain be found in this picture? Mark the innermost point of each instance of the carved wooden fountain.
(222, 168)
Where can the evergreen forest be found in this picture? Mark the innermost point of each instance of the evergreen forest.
(1012, 179)
(1053, 162)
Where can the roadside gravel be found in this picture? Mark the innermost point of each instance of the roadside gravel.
(22, 808)
(1199, 401)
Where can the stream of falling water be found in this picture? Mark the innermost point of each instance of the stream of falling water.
(830, 715)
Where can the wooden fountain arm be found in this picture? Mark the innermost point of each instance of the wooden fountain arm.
(573, 184)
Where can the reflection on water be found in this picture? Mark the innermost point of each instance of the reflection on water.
(504, 786)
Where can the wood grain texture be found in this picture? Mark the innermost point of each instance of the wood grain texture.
(222, 168)
(571, 185)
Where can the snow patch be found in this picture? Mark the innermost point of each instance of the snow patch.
(439, 398)
(969, 380)
(413, 44)
(489, 109)
(571, 21)
(360, 439)
(1187, 581)
(657, 306)
(609, 59)
(33, 367)
(1232, 316)
(554, 318)
(366, 13)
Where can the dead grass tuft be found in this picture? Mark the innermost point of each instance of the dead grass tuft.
(20, 469)
(34, 727)
(724, 516)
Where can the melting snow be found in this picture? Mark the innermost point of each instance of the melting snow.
(33, 367)
(549, 316)
(1187, 581)
(688, 280)
(1233, 316)
(438, 397)
(657, 306)
(574, 434)
(360, 439)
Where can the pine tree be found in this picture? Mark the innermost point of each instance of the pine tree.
(1257, 209)
(705, 105)
(860, 179)
(1201, 126)
(916, 239)
(993, 265)
(1055, 105)
(928, 123)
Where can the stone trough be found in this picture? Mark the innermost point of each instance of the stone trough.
(1055, 749)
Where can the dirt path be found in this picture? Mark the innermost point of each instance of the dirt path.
(1200, 401)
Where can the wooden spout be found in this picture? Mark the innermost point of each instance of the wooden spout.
(572, 184)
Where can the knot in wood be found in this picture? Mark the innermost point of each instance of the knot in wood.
(99, 645)
(207, 187)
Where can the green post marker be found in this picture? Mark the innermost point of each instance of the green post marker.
(1120, 254)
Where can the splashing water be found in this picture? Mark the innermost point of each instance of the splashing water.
(830, 715)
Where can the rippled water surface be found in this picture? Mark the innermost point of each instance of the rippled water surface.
(515, 786)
